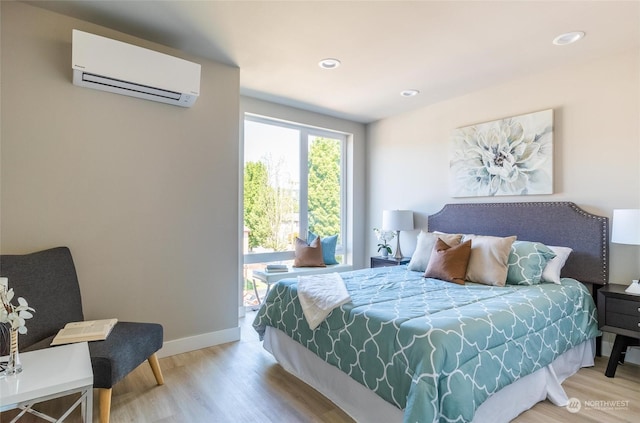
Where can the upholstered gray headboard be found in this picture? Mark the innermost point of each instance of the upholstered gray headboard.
(552, 223)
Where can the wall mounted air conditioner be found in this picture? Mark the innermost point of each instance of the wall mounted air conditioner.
(117, 67)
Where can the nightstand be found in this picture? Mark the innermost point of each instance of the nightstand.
(619, 313)
(388, 261)
(50, 373)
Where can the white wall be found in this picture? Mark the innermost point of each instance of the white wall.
(596, 143)
(145, 194)
(355, 168)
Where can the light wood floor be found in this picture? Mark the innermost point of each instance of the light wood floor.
(240, 382)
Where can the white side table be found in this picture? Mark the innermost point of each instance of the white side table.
(293, 272)
(50, 373)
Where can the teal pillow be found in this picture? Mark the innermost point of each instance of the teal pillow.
(328, 247)
(527, 260)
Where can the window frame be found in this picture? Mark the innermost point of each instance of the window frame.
(305, 132)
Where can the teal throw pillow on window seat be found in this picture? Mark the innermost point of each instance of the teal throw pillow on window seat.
(328, 247)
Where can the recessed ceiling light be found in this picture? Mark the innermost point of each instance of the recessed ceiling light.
(329, 63)
(409, 93)
(568, 38)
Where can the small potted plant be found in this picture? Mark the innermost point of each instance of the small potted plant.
(383, 241)
(14, 316)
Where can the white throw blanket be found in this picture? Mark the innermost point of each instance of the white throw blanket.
(319, 295)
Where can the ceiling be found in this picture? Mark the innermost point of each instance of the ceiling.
(443, 49)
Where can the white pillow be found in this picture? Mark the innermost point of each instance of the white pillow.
(551, 272)
(424, 247)
(489, 259)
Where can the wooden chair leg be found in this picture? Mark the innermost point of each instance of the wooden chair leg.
(105, 404)
(155, 367)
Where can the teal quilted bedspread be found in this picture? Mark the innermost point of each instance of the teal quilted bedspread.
(435, 349)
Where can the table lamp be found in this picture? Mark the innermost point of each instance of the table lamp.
(626, 230)
(397, 220)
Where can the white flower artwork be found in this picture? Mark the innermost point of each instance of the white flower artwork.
(512, 156)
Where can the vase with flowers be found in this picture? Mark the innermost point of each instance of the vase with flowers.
(14, 316)
(383, 241)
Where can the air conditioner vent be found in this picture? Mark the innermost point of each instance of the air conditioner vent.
(116, 83)
(114, 66)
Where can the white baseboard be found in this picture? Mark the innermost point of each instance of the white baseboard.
(632, 356)
(192, 343)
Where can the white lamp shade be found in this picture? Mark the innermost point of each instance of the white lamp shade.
(397, 220)
(626, 226)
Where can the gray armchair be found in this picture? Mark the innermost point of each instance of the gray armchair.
(48, 281)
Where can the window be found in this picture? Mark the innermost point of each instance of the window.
(293, 183)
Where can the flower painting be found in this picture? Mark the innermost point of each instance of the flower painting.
(512, 156)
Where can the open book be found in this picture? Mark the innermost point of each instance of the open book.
(91, 330)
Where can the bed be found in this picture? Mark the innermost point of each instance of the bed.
(413, 349)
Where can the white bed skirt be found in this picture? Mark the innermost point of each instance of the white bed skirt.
(363, 405)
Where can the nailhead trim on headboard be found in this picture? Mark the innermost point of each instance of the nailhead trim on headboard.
(559, 223)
